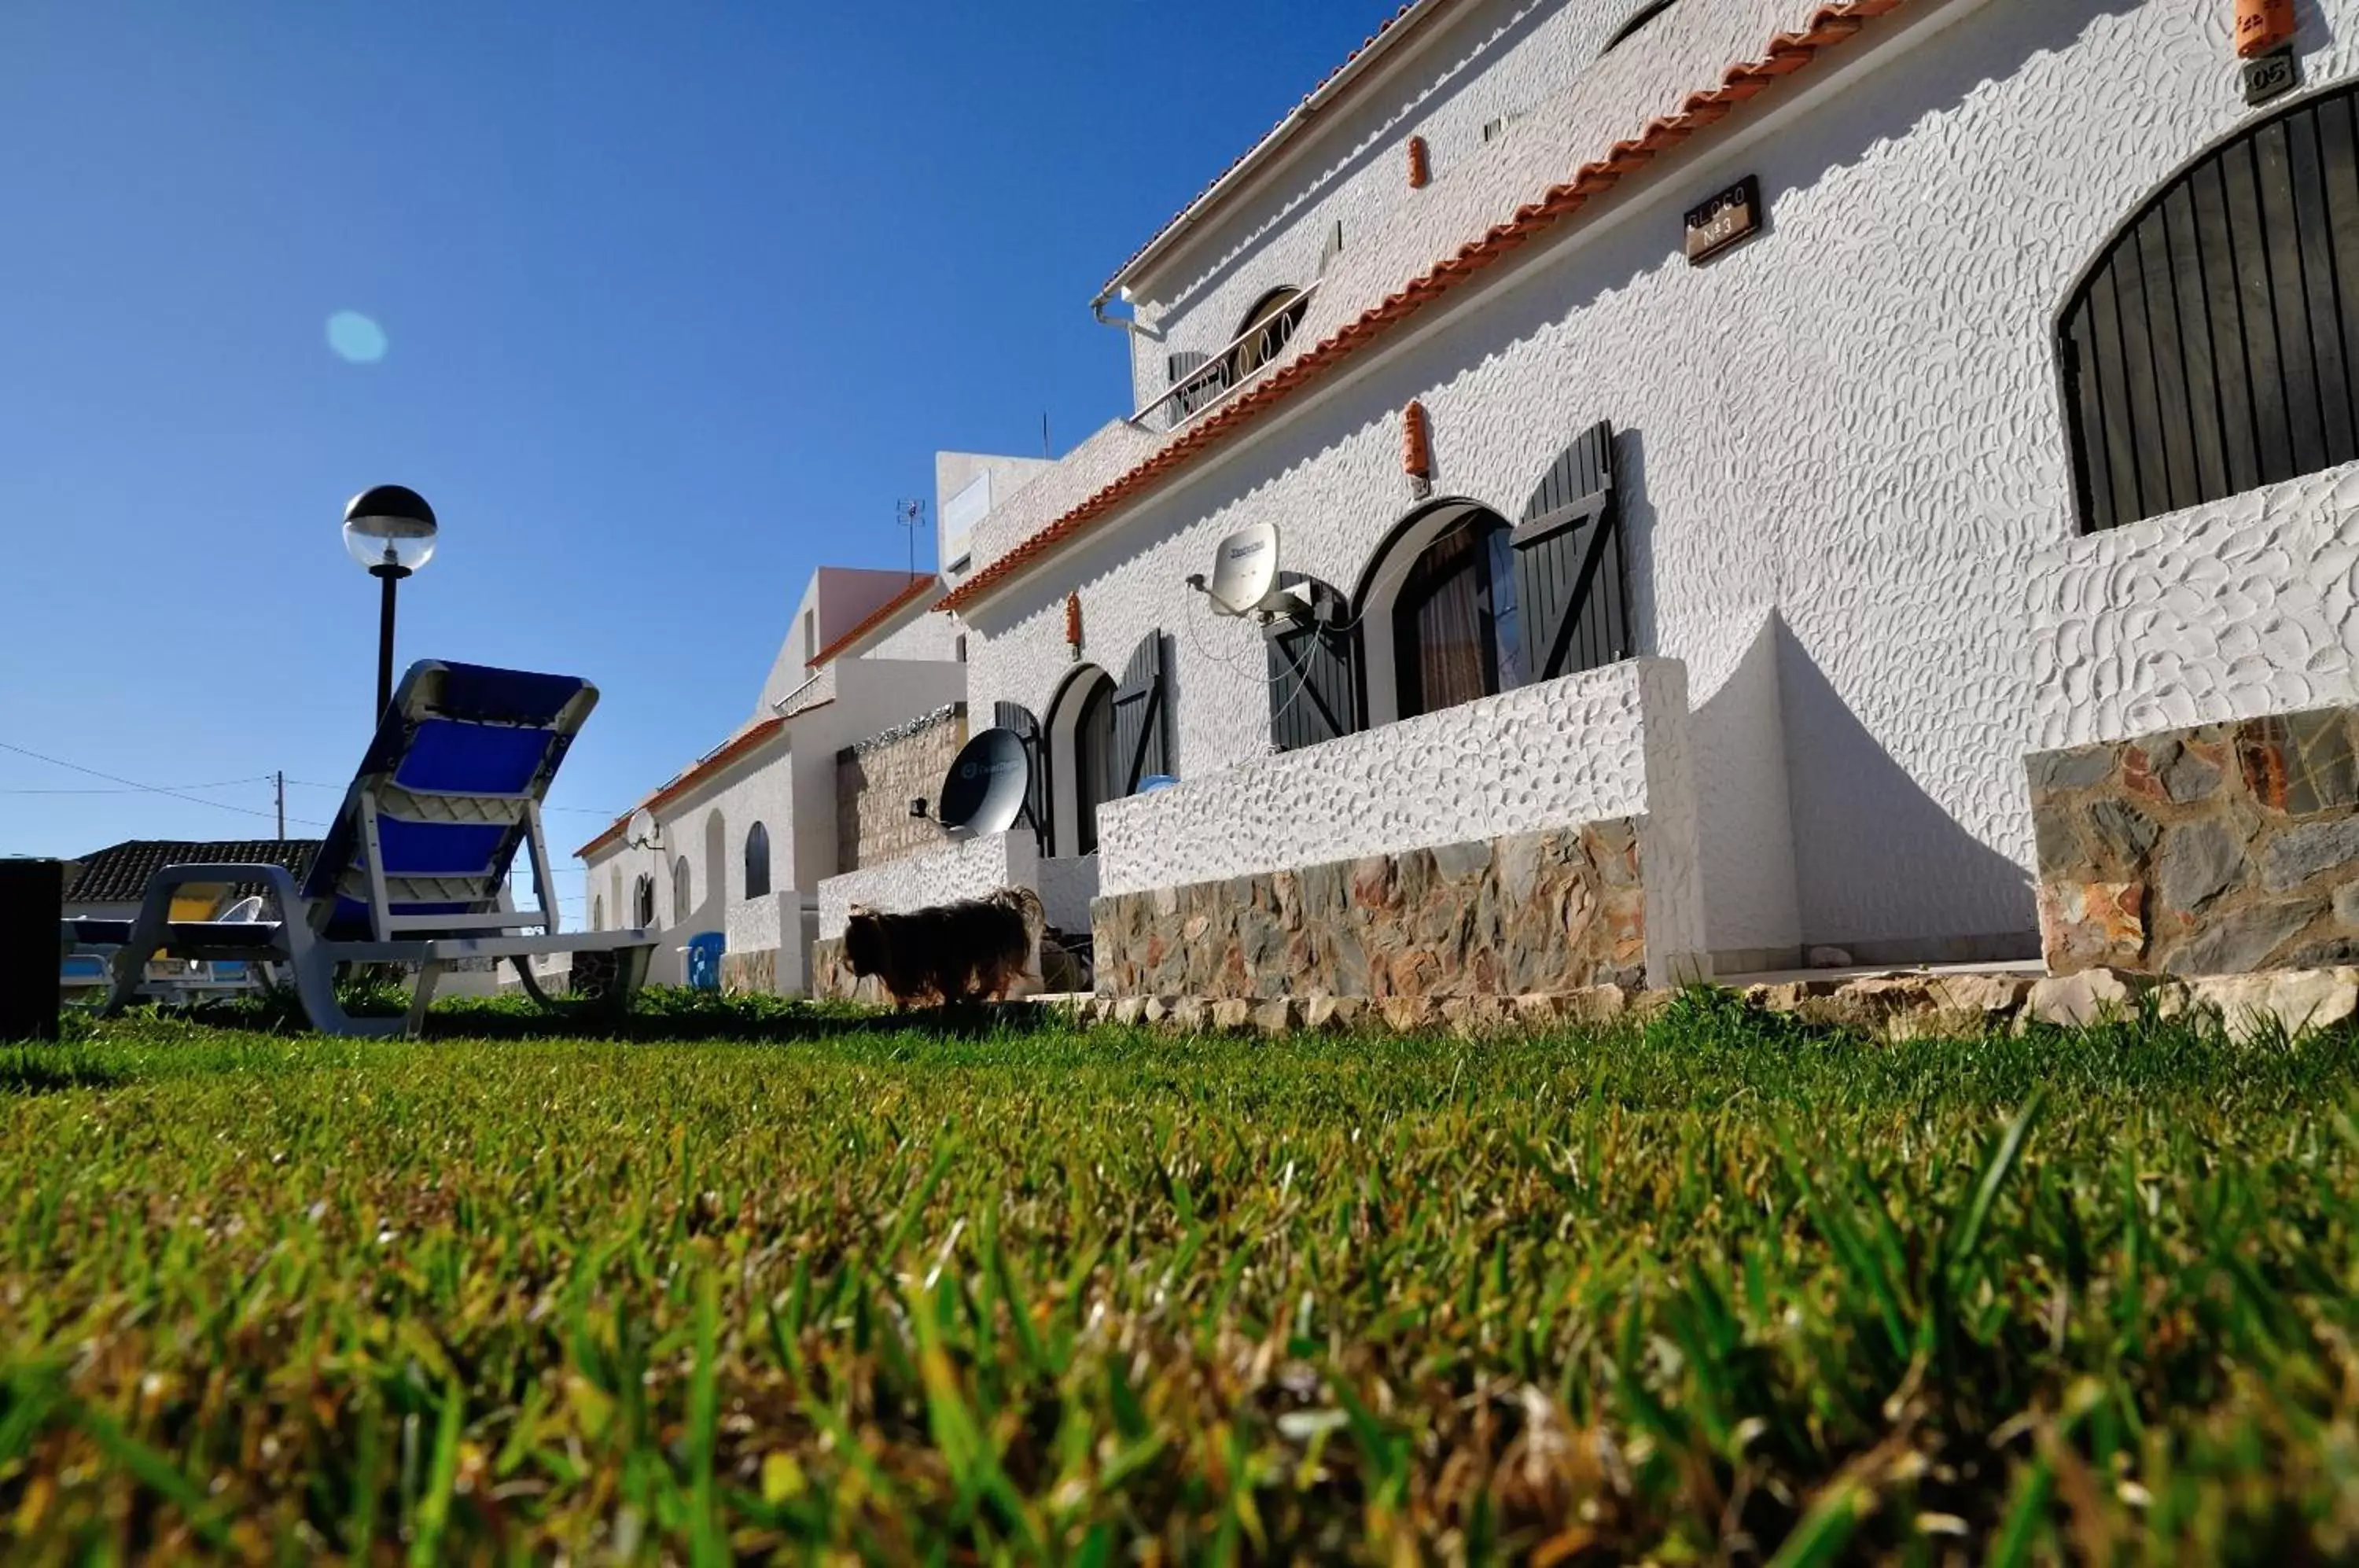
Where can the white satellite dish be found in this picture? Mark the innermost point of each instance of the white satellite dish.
(642, 832)
(1245, 576)
(1244, 571)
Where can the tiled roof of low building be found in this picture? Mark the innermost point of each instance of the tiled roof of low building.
(748, 739)
(918, 584)
(120, 873)
(1786, 54)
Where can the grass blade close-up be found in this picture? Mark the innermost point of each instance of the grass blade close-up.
(1720, 1289)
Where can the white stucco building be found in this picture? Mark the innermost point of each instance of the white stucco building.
(746, 833)
(1905, 386)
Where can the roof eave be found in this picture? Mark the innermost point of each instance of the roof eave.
(1263, 155)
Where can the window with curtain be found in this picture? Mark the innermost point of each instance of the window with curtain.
(758, 862)
(643, 901)
(1455, 636)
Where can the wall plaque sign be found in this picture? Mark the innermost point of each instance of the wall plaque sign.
(2272, 75)
(1730, 218)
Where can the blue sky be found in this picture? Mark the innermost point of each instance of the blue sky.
(675, 301)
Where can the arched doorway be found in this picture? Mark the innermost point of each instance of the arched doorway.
(1082, 761)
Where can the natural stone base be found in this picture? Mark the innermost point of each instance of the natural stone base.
(2223, 849)
(834, 981)
(1894, 1007)
(1548, 913)
(755, 971)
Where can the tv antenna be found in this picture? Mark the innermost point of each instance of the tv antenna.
(642, 832)
(911, 516)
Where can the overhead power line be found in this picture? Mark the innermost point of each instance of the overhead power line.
(168, 791)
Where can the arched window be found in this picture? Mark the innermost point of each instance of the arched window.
(758, 862)
(598, 912)
(682, 905)
(1630, 25)
(1455, 635)
(2213, 347)
(643, 901)
(1267, 328)
(1439, 613)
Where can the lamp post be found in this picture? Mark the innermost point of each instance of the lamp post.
(390, 530)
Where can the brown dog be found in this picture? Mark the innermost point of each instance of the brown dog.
(975, 949)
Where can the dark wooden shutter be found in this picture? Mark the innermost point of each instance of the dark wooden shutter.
(1314, 678)
(1569, 589)
(1014, 716)
(1141, 717)
(1203, 378)
(2214, 346)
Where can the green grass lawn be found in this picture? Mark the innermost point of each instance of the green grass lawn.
(1721, 1290)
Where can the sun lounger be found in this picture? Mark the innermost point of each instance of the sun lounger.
(414, 870)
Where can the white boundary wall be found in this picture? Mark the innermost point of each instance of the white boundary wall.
(1607, 744)
(2227, 611)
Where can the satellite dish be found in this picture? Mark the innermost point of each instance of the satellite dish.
(642, 832)
(985, 790)
(1244, 571)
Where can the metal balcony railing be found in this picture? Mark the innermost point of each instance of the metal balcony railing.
(1201, 382)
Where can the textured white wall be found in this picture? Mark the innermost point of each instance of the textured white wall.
(1843, 448)
(1534, 59)
(1391, 238)
(925, 636)
(1067, 883)
(967, 869)
(2227, 611)
(785, 922)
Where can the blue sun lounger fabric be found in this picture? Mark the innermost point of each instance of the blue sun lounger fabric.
(414, 868)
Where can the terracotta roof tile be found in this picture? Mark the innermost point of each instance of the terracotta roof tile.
(1785, 54)
(120, 873)
(730, 750)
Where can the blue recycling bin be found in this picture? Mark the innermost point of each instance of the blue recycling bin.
(703, 950)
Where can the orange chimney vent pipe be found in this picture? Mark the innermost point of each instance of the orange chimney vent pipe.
(1420, 163)
(2262, 25)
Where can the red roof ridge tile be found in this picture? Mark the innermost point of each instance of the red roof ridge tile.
(1785, 54)
(730, 750)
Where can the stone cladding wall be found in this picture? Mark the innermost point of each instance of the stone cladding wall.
(2215, 850)
(755, 971)
(876, 780)
(1556, 910)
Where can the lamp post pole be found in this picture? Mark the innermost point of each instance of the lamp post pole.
(389, 575)
(391, 531)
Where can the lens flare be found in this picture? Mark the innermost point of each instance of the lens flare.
(355, 339)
